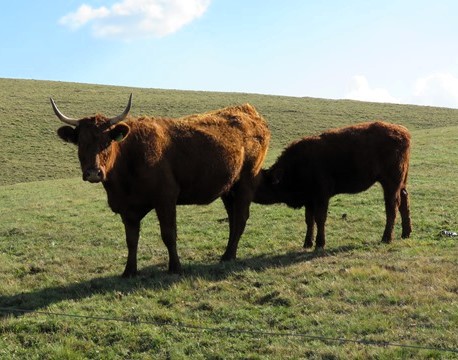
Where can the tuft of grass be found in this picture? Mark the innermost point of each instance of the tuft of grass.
(62, 250)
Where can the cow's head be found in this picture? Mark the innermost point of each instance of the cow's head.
(94, 137)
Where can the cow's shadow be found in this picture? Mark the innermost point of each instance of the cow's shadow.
(152, 277)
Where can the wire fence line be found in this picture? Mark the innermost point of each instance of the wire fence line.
(229, 331)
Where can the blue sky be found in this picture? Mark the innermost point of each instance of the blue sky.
(401, 51)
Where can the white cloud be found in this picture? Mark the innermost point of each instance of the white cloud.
(361, 90)
(83, 15)
(130, 19)
(440, 89)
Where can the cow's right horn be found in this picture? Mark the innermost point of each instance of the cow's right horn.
(62, 117)
(121, 117)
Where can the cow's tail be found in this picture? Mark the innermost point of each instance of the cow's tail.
(404, 206)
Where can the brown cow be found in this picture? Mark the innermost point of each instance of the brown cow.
(348, 160)
(157, 163)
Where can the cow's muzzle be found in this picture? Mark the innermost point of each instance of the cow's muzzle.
(93, 175)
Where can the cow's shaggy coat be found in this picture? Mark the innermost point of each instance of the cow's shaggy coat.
(157, 163)
(347, 160)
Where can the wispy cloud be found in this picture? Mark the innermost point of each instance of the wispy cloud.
(439, 89)
(361, 90)
(129, 19)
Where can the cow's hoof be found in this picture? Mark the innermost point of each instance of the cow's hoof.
(175, 268)
(127, 274)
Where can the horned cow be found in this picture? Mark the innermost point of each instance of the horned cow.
(347, 160)
(157, 163)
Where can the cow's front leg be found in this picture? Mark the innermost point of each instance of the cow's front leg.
(166, 215)
(132, 228)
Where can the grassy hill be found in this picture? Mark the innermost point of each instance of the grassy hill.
(62, 250)
(32, 150)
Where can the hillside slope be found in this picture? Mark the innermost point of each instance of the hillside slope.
(32, 151)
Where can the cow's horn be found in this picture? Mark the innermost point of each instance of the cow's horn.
(62, 117)
(121, 117)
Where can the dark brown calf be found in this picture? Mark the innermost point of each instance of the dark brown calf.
(157, 163)
(348, 160)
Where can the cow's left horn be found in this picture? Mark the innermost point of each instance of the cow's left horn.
(121, 117)
(62, 117)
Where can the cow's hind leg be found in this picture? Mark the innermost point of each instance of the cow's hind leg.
(404, 209)
(237, 203)
(166, 215)
(310, 225)
(228, 200)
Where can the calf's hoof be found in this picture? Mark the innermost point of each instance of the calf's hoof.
(406, 234)
(227, 257)
(319, 251)
(308, 244)
(175, 271)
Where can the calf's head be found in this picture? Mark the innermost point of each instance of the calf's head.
(282, 183)
(269, 187)
(94, 137)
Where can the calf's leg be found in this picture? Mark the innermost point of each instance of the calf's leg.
(320, 214)
(392, 201)
(310, 225)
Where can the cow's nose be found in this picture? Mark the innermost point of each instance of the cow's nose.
(93, 175)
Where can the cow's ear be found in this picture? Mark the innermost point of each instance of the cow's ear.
(68, 134)
(276, 176)
(119, 132)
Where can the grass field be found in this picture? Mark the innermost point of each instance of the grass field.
(62, 250)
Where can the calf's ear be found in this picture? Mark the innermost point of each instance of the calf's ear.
(68, 134)
(119, 132)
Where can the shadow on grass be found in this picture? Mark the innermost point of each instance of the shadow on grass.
(152, 277)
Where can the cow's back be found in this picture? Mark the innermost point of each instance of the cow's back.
(239, 128)
(220, 147)
(201, 156)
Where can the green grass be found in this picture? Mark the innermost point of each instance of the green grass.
(62, 249)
